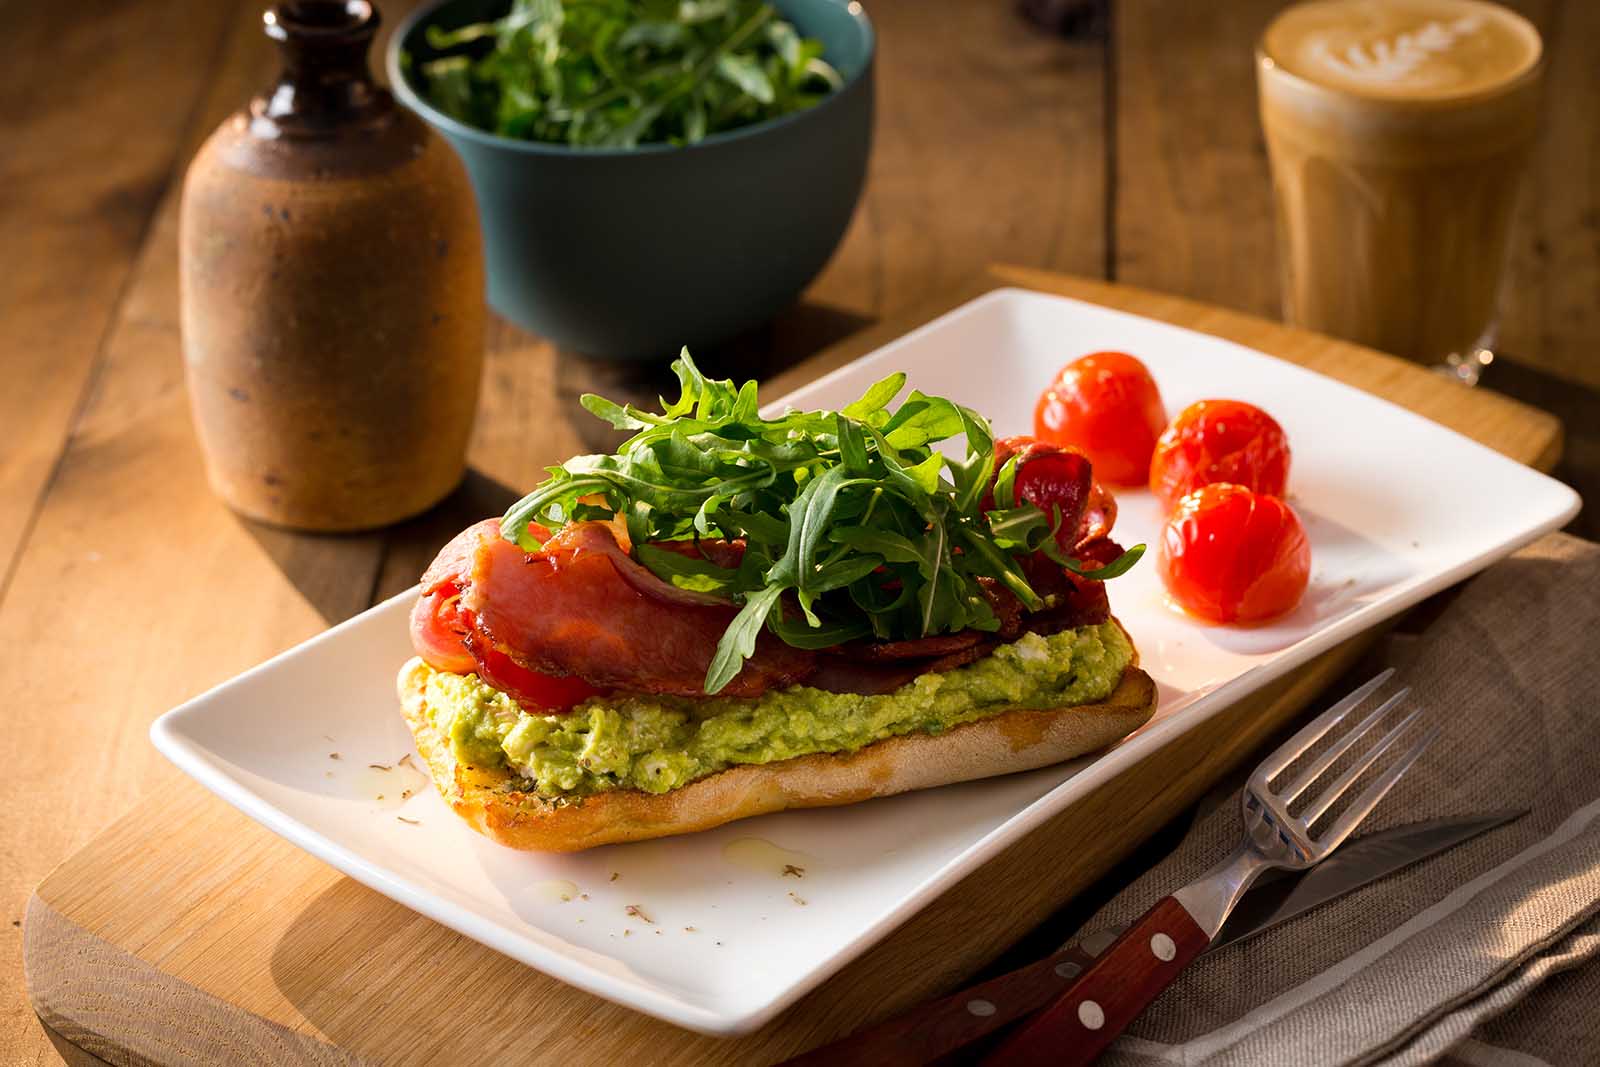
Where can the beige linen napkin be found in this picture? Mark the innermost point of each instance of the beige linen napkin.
(1483, 954)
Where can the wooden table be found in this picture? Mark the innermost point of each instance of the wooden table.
(1130, 152)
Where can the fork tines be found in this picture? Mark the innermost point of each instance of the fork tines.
(1271, 768)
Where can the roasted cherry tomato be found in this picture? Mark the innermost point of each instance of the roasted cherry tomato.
(449, 638)
(1232, 555)
(534, 690)
(1220, 441)
(1106, 406)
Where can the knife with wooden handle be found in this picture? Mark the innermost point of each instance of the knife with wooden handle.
(933, 1032)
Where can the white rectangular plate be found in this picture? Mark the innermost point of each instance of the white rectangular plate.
(1396, 507)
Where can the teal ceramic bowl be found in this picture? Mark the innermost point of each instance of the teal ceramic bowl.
(632, 253)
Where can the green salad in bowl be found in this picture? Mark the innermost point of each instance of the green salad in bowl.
(617, 73)
(649, 173)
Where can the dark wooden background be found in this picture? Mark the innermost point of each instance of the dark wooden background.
(1126, 147)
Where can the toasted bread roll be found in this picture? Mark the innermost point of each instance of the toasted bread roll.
(1012, 740)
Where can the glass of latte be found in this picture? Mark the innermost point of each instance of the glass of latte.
(1398, 131)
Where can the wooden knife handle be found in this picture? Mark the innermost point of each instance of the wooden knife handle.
(1078, 1025)
(933, 1031)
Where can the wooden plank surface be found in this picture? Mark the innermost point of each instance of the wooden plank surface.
(1192, 194)
(1552, 311)
(1185, 93)
(238, 937)
(129, 589)
(76, 204)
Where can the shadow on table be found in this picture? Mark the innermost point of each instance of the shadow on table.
(1578, 408)
(335, 990)
(798, 331)
(344, 574)
(322, 984)
(334, 572)
(70, 1054)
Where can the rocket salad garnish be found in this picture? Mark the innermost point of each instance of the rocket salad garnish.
(618, 73)
(852, 516)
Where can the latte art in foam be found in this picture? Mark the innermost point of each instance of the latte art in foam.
(1405, 57)
(1402, 49)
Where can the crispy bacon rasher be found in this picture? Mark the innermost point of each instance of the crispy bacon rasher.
(582, 608)
(581, 616)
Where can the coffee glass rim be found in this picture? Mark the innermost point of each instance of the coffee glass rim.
(1533, 72)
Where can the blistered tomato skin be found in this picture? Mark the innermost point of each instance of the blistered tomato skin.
(1220, 441)
(1228, 554)
(1106, 406)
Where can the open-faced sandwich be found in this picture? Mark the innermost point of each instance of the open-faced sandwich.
(733, 615)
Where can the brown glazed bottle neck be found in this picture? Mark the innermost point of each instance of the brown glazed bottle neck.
(326, 118)
(325, 88)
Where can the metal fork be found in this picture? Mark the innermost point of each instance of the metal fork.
(1124, 979)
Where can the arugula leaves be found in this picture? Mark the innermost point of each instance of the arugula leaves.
(852, 517)
(618, 73)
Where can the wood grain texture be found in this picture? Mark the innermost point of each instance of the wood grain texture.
(233, 914)
(1192, 192)
(989, 145)
(76, 203)
(1552, 308)
(127, 529)
(220, 1034)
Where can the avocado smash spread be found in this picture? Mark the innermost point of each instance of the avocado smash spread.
(657, 744)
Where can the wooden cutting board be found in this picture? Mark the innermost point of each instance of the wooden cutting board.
(187, 934)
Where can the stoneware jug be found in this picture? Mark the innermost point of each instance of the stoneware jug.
(332, 291)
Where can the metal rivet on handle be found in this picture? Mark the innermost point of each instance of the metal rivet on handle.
(981, 1008)
(1097, 943)
(1068, 969)
(1091, 1015)
(1163, 947)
